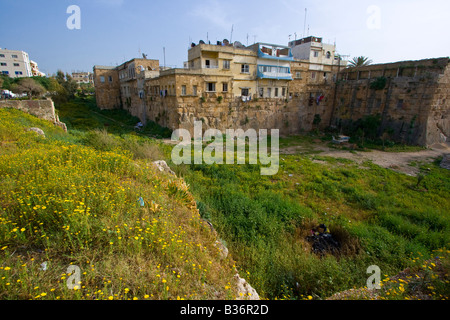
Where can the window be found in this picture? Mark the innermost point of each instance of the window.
(16, 64)
(194, 90)
(208, 64)
(245, 68)
(2, 55)
(14, 56)
(283, 92)
(183, 90)
(298, 75)
(18, 73)
(315, 53)
(5, 72)
(210, 87)
(102, 79)
(400, 104)
(110, 79)
(226, 64)
(313, 75)
(276, 92)
(261, 92)
(3, 64)
(269, 92)
(328, 54)
(225, 87)
(245, 92)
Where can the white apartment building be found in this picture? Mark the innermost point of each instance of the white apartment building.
(17, 64)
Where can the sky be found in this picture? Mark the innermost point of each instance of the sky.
(114, 31)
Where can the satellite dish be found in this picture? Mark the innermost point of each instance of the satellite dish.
(144, 56)
(226, 42)
(237, 44)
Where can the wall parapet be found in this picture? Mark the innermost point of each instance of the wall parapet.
(44, 109)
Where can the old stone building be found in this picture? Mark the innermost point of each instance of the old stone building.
(410, 97)
(107, 87)
(293, 88)
(224, 85)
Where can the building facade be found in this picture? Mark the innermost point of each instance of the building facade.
(83, 77)
(224, 85)
(15, 63)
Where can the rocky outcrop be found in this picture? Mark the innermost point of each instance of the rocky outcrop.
(38, 131)
(162, 166)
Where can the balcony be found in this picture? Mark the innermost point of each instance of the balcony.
(273, 72)
(284, 54)
(210, 66)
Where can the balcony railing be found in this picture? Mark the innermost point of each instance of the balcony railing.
(206, 66)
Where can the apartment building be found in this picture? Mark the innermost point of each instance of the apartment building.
(322, 57)
(35, 70)
(15, 63)
(83, 77)
(218, 82)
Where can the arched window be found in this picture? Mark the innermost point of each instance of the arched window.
(328, 54)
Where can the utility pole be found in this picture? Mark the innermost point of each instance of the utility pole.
(164, 52)
(231, 36)
(304, 24)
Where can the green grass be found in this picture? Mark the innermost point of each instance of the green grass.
(73, 200)
(379, 215)
(83, 114)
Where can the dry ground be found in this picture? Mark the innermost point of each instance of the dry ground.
(405, 162)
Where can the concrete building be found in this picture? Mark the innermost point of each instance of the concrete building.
(35, 70)
(83, 77)
(15, 63)
(224, 85)
(322, 57)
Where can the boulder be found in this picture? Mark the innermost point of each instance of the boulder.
(163, 167)
(38, 131)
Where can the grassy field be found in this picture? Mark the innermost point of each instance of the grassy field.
(74, 200)
(380, 217)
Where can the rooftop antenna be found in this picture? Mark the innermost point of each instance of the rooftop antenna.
(290, 37)
(231, 37)
(304, 24)
(207, 37)
(247, 39)
(164, 52)
(254, 39)
(295, 34)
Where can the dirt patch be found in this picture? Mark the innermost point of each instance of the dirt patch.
(404, 162)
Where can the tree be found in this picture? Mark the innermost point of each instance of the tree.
(70, 85)
(359, 62)
(28, 86)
